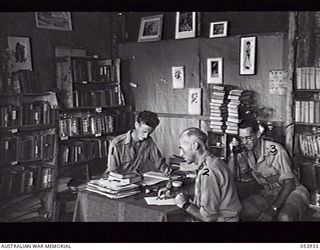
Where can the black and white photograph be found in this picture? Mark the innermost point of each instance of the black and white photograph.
(185, 25)
(247, 55)
(54, 20)
(150, 28)
(215, 70)
(218, 29)
(117, 127)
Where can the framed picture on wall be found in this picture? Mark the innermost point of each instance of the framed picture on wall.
(150, 28)
(20, 53)
(54, 20)
(248, 55)
(185, 25)
(214, 70)
(218, 29)
(178, 77)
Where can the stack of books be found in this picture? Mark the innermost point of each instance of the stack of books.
(217, 108)
(112, 189)
(240, 104)
(125, 178)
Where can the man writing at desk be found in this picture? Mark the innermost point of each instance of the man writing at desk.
(215, 195)
(135, 151)
(283, 197)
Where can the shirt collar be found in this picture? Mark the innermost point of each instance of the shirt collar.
(127, 140)
(202, 159)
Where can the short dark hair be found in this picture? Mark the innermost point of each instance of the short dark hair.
(202, 136)
(250, 123)
(149, 118)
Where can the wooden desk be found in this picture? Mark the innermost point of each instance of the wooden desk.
(97, 208)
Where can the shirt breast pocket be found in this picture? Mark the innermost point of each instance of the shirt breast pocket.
(127, 158)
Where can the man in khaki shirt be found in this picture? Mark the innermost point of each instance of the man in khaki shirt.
(283, 198)
(135, 151)
(215, 195)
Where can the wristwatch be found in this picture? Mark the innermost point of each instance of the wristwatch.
(186, 205)
(274, 208)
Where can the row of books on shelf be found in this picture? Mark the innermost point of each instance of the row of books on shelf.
(25, 179)
(105, 97)
(35, 147)
(36, 113)
(227, 106)
(87, 124)
(84, 150)
(94, 71)
(23, 208)
(308, 78)
(309, 145)
(307, 111)
(22, 81)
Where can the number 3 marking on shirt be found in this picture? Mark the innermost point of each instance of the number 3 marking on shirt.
(273, 149)
(205, 172)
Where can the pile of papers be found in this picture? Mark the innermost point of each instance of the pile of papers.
(112, 189)
(152, 178)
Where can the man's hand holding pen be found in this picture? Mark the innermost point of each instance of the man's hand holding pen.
(165, 193)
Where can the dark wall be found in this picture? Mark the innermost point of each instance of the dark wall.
(90, 30)
(240, 23)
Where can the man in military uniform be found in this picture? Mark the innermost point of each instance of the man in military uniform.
(215, 195)
(282, 198)
(135, 151)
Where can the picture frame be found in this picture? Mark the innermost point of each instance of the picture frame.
(178, 77)
(54, 20)
(215, 70)
(218, 29)
(20, 53)
(248, 55)
(150, 28)
(185, 25)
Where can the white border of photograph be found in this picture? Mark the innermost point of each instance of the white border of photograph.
(150, 38)
(20, 53)
(178, 78)
(215, 77)
(248, 55)
(224, 32)
(185, 34)
(62, 21)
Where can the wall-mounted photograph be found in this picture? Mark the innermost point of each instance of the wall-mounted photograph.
(150, 28)
(247, 55)
(214, 70)
(218, 29)
(54, 20)
(178, 77)
(185, 25)
(20, 53)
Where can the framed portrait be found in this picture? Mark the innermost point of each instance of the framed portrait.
(185, 25)
(178, 77)
(20, 53)
(54, 20)
(214, 70)
(218, 29)
(248, 55)
(150, 28)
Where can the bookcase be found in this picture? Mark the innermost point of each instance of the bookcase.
(28, 163)
(93, 112)
(307, 128)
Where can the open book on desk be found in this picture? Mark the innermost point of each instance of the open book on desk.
(152, 178)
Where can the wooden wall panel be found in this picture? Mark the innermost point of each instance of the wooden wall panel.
(149, 66)
(167, 133)
(271, 54)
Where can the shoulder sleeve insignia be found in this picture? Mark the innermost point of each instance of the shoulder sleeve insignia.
(273, 149)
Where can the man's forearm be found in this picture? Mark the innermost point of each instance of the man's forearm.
(195, 212)
(287, 188)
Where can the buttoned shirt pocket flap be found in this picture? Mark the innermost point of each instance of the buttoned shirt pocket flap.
(128, 156)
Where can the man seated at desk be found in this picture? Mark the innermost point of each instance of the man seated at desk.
(135, 151)
(215, 195)
(282, 198)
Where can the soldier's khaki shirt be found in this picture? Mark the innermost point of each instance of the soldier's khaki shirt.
(215, 191)
(125, 157)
